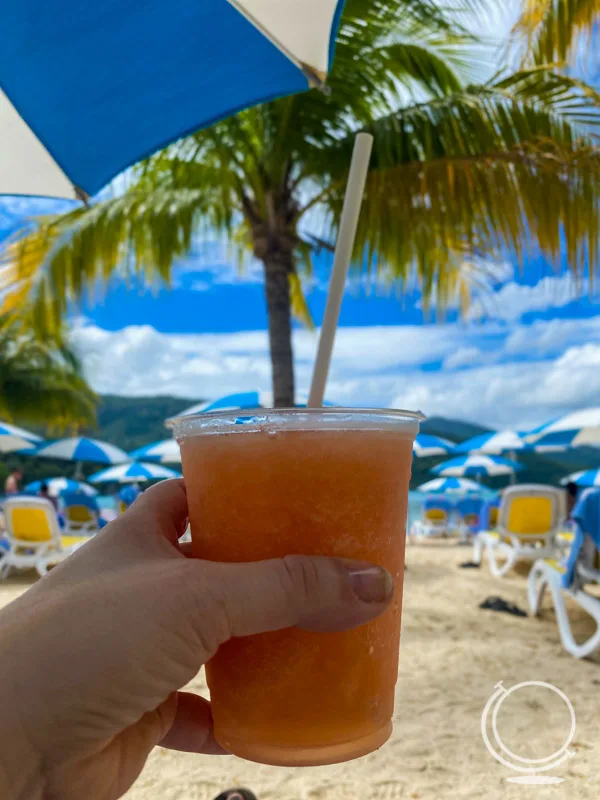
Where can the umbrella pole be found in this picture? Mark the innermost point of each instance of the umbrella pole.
(78, 471)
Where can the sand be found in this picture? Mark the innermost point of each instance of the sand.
(452, 656)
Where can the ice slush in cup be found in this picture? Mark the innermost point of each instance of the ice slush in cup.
(269, 483)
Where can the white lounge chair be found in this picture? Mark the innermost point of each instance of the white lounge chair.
(81, 513)
(33, 536)
(436, 515)
(569, 578)
(528, 520)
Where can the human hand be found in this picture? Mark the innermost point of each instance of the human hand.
(95, 653)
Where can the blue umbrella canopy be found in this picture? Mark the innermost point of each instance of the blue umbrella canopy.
(426, 445)
(91, 88)
(135, 472)
(80, 448)
(449, 485)
(57, 486)
(493, 443)
(588, 477)
(577, 429)
(13, 439)
(165, 452)
(476, 466)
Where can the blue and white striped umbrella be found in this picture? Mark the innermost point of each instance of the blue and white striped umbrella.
(588, 477)
(476, 466)
(578, 429)
(165, 452)
(493, 443)
(442, 485)
(80, 448)
(240, 400)
(426, 445)
(13, 439)
(57, 486)
(135, 472)
(90, 88)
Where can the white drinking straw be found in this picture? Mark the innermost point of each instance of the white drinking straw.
(341, 262)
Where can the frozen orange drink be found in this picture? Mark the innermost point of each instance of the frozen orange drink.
(264, 484)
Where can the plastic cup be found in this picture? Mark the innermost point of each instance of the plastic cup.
(269, 483)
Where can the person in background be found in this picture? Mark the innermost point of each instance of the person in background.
(44, 492)
(12, 485)
(572, 491)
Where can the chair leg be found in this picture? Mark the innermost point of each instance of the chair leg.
(500, 570)
(536, 587)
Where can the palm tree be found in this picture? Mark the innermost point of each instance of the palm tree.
(461, 173)
(41, 382)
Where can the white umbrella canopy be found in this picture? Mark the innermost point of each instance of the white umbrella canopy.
(86, 91)
(476, 466)
(494, 443)
(165, 452)
(578, 429)
(134, 472)
(81, 448)
(14, 439)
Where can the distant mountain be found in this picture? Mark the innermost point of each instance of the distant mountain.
(131, 422)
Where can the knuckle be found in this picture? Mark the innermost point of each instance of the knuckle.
(301, 576)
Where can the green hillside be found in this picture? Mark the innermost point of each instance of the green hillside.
(131, 422)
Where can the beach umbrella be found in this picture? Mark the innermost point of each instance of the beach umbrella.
(134, 472)
(13, 439)
(241, 400)
(426, 445)
(588, 477)
(442, 485)
(475, 466)
(57, 486)
(90, 89)
(80, 448)
(493, 443)
(577, 429)
(165, 452)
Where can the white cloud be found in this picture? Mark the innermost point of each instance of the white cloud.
(463, 357)
(485, 377)
(513, 300)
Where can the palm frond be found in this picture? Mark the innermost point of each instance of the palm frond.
(41, 382)
(500, 167)
(551, 30)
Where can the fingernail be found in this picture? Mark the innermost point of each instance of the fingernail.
(371, 584)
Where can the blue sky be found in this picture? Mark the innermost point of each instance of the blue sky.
(528, 350)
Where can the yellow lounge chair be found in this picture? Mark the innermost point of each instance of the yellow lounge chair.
(33, 535)
(80, 519)
(528, 521)
(436, 514)
(571, 577)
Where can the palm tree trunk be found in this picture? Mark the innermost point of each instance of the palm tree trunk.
(278, 267)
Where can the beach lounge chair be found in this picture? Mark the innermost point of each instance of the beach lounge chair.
(81, 513)
(490, 514)
(436, 514)
(33, 536)
(528, 520)
(468, 510)
(569, 578)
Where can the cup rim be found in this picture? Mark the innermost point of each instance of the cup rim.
(230, 414)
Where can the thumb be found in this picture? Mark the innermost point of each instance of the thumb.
(311, 592)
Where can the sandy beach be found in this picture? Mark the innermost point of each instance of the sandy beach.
(453, 654)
